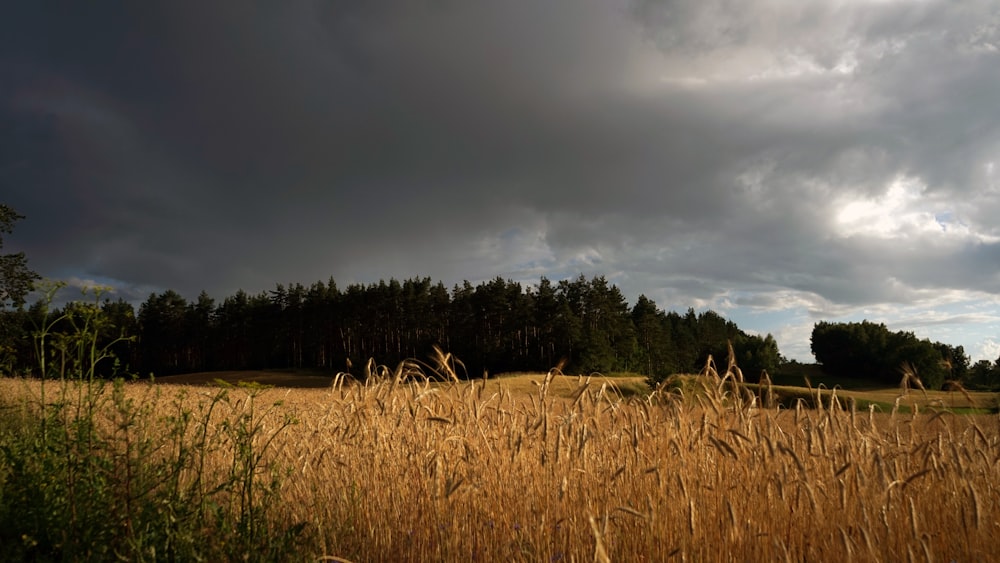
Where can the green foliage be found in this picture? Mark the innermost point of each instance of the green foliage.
(16, 279)
(756, 354)
(582, 325)
(79, 340)
(77, 486)
(87, 473)
(985, 375)
(688, 341)
(870, 351)
(607, 335)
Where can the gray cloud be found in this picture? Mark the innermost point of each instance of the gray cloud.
(736, 155)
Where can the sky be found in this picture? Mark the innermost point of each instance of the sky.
(778, 162)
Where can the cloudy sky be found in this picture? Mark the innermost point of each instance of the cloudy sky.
(780, 162)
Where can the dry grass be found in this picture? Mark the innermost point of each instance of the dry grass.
(886, 399)
(570, 470)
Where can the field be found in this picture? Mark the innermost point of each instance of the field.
(520, 384)
(523, 384)
(533, 468)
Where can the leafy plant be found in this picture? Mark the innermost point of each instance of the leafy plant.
(91, 471)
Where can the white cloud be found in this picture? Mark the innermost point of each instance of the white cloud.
(989, 349)
(905, 211)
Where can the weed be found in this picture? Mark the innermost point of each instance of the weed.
(99, 470)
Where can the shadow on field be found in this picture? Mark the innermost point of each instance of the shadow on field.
(287, 379)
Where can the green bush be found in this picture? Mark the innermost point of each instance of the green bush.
(89, 474)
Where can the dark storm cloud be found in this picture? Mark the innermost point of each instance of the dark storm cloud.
(285, 123)
(704, 153)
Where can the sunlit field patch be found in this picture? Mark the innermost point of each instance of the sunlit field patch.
(561, 469)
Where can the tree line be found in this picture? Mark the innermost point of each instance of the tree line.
(500, 325)
(870, 351)
(584, 325)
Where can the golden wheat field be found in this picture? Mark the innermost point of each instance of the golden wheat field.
(476, 472)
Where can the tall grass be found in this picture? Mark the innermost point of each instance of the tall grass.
(98, 470)
(137, 472)
(436, 473)
(412, 465)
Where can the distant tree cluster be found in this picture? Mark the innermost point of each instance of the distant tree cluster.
(500, 325)
(867, 350)
(983, 374)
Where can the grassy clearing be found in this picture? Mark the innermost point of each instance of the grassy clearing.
(531, 467)
(887, 399)
(295, 379)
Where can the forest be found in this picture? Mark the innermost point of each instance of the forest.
(585, 325)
